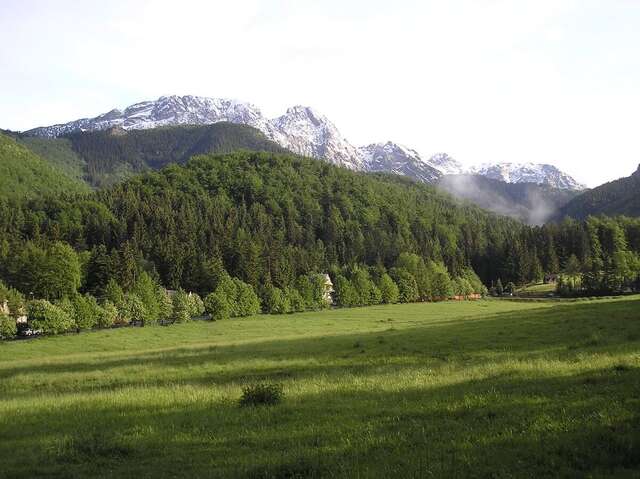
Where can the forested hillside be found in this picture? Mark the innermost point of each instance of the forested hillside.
(104, 158)
(268, 219)
(23, 174)
(620, 197)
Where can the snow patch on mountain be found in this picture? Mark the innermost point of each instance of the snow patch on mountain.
(445, 164)
(306, 132)
(528, 173)
(301, 130)
(393, 158)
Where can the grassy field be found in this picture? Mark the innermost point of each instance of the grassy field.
(462, 389)
(539, 290)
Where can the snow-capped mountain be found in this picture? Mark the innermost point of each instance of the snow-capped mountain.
(446, 165)
(304, 131)
(528, 173)
(308, 133)
(300, 130)
(393, 158)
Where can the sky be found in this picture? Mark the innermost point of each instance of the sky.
(483, 80)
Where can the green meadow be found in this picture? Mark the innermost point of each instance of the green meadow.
(487, 389)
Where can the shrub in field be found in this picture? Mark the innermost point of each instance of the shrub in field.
(262, 394)
(8, 328)
(48, 318)
(217, 306)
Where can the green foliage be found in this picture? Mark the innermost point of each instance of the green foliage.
(417, 267)
(247, 301)
(620, 197)
(8, 327)
(346, 294)
(114, 155)
(132, 309)
(25, 175)
(58, 152)
(49, 318)
(270, 219)
(441, 287)
(165, 305)
(311, 288)
(217, 306)
(296, 301)
(52, 272)
(108, 315)
(240, 296)
(276, 301)
(407, 285)
(135, 387)
(262, 394)
(181, 307)
(114, 293)
(86, 312)
(147, 290)
(14, 300)
(196, 305)
(389, 292)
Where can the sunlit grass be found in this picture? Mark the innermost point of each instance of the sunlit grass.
(482, 389)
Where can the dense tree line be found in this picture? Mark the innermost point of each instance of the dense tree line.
(256, 229)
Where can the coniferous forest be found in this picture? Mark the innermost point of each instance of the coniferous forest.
(257, 229)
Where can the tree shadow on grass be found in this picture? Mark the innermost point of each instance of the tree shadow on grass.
(561, 426)
(562, 332)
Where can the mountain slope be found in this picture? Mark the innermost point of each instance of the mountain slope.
(300, 130)
(528, 173)
(619, 197)
(25, 175)
(106, 157)
(393, 158)
(530, 203)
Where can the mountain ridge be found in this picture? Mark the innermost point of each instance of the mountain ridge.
(302, 130)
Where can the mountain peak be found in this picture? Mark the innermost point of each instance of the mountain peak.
(395, 158)
(539, 173)
(446, 164)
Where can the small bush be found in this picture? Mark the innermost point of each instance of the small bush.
(262, 394)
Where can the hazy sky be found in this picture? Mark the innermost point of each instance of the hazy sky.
(484, 80)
